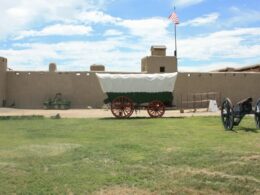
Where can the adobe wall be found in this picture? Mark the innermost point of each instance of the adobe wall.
(31, 89)
(236, 86)
(3, 67)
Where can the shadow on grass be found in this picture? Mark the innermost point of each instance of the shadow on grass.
(247, 129)
(140, 118)
(32, 117)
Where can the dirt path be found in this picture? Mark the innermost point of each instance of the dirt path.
(96, 113)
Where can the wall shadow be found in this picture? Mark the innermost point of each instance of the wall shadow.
(141, 118)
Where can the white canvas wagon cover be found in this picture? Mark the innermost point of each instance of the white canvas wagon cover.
(125, 83)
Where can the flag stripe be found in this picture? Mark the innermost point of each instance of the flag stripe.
(173, 17)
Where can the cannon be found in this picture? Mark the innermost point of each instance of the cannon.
(232, 115)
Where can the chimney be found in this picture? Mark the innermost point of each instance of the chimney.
(3, 64)
(158, 50)
(97, 68)
(52, 67)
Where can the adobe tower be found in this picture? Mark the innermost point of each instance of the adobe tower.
(159, 62)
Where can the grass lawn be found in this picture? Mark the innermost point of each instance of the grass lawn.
(138, 156)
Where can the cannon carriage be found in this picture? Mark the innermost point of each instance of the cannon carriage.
(129, 92)
(232, 115)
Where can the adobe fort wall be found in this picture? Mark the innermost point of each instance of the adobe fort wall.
(31, 89)
(236, 86)
(3, 68)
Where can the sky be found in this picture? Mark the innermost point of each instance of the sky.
(75, 34)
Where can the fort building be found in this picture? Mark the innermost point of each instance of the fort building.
(29, 89)
(253, 68)
(158, 62)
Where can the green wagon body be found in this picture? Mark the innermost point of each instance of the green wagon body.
(142, 97)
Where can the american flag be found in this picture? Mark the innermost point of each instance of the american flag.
(173, 17)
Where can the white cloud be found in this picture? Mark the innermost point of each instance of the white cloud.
(145, 28)
(200, 21)
(18, 12)
(18, 15)
(242, 17)
(152, 28)
(222, 44)
(186, 3)
(113, 32)
(96, 17)
(58, 29)
(74, 55)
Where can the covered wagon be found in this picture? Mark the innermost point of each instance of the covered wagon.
(128, 92)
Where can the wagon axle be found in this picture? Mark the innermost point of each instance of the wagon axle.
(232, 115)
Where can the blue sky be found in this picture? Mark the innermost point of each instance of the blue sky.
(212, 34)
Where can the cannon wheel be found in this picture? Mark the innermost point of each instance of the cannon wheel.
(122, 107)
(257, 114)
(156, 109)
(227, 114)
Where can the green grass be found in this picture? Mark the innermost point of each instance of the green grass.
(142, 156)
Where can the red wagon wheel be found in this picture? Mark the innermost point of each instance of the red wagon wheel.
(122, 107)
(156, 109)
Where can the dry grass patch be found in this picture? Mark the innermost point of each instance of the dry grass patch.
(49, 149)
(189, 171)
(253, 157)
(170, 149)
(192, 191)
(46, 150)
(7, 164)
(124, 191)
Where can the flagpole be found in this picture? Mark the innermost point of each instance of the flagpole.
(175, 33)
(175, 29)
